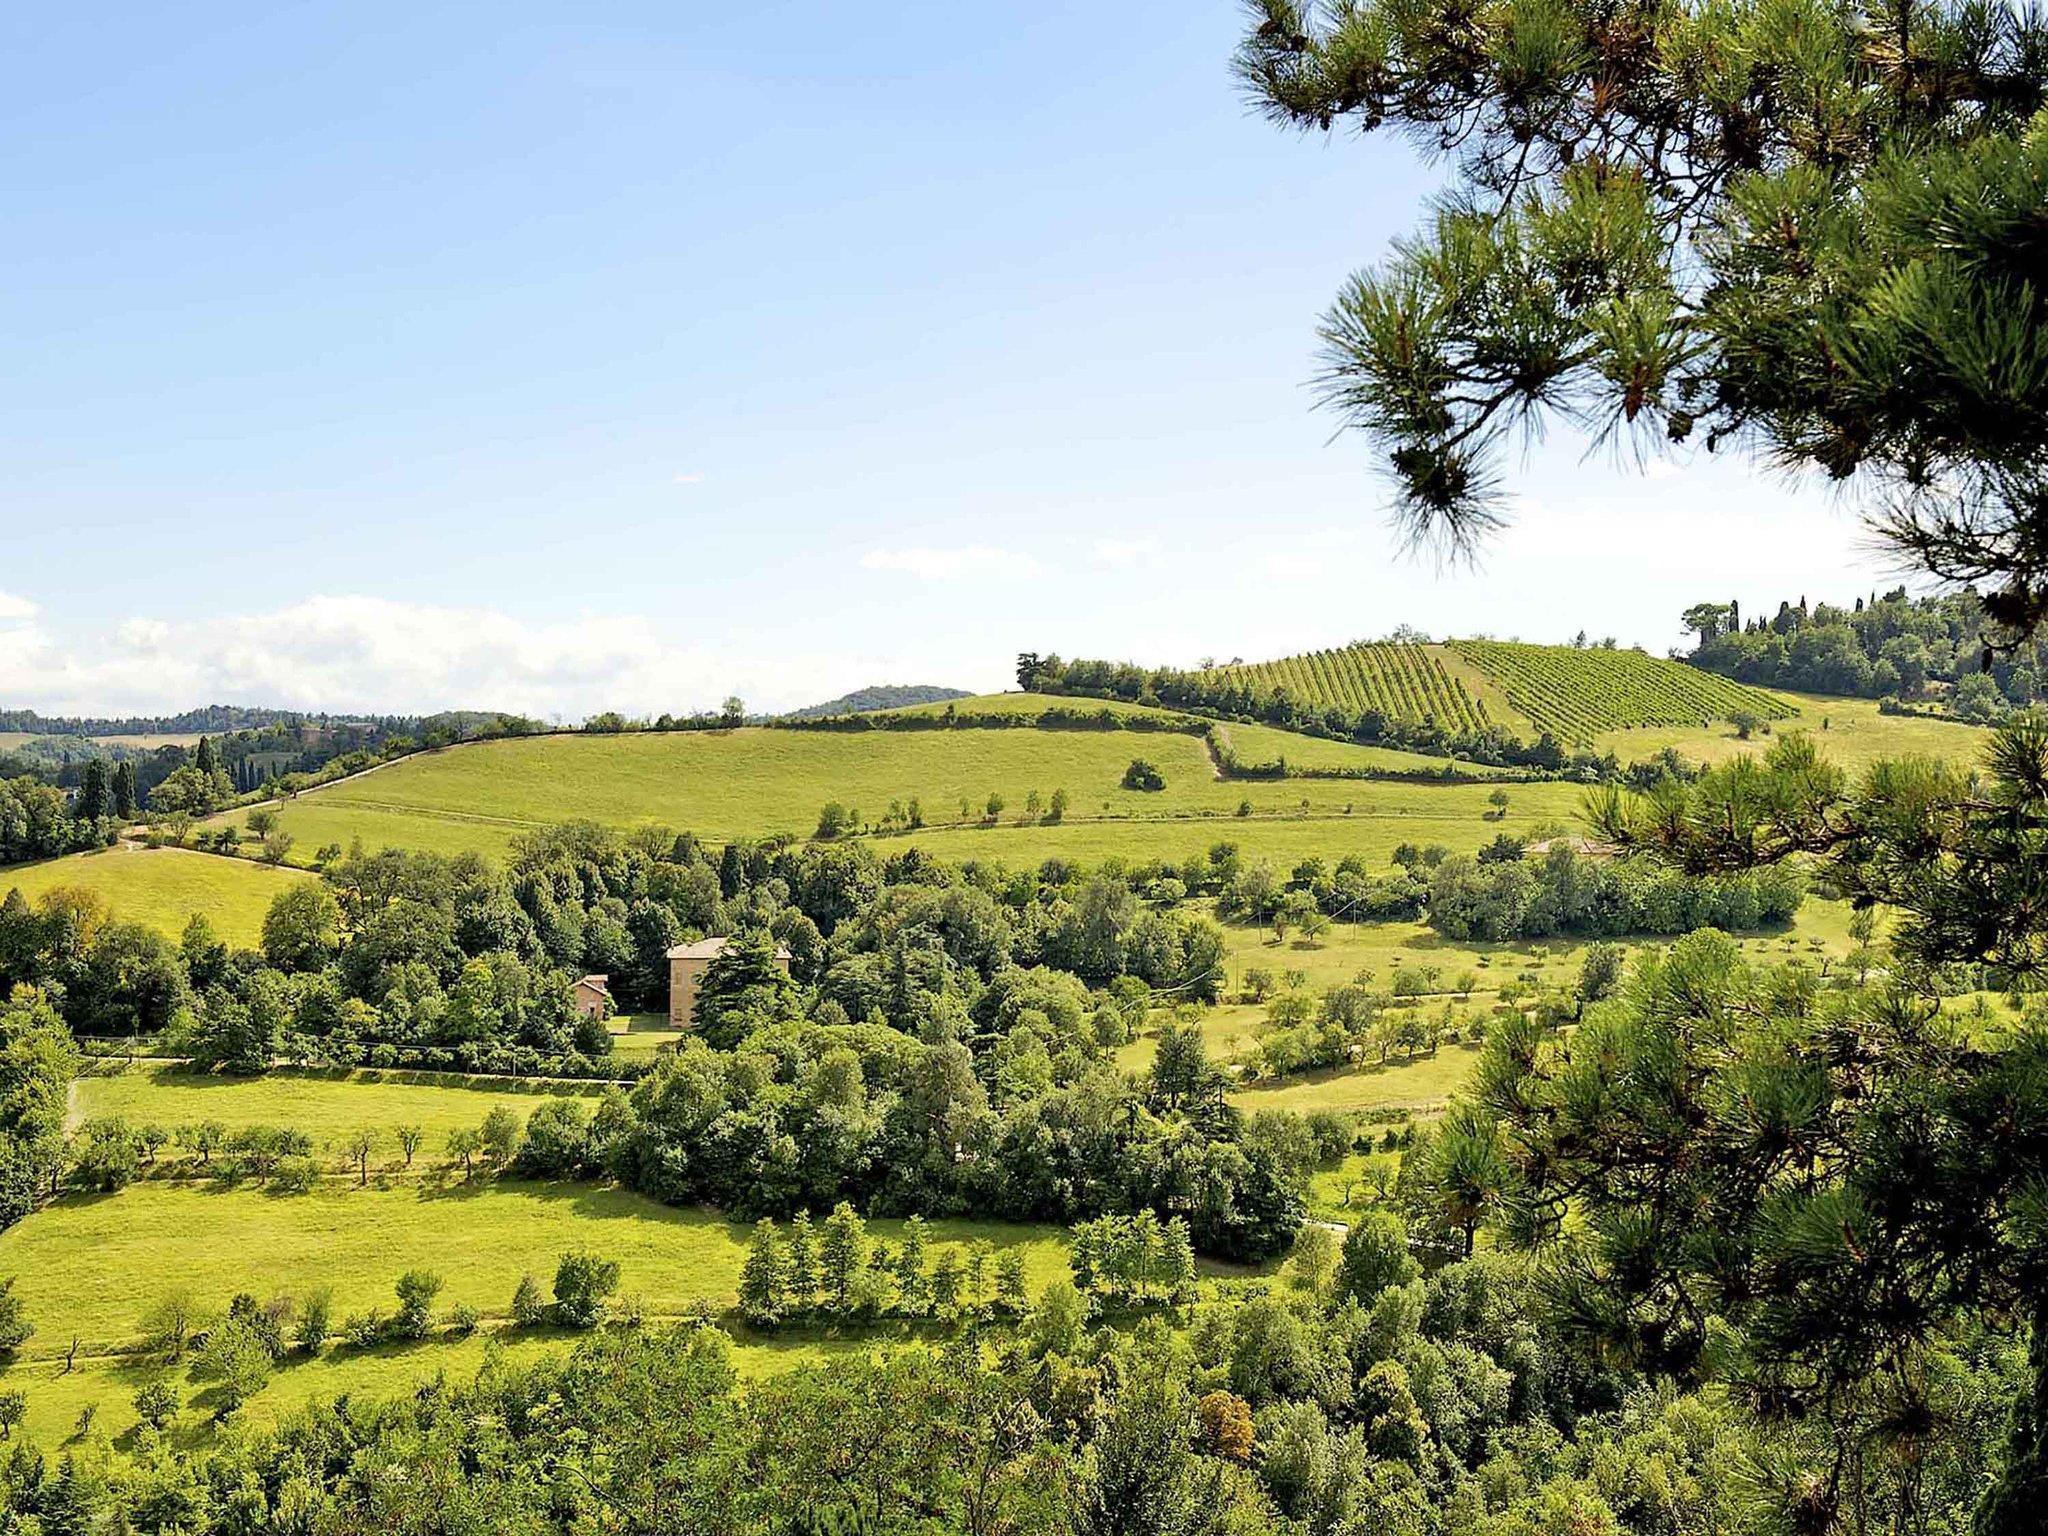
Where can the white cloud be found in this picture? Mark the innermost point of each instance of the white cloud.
(1124, 553)
(688, 478)
(12, 607)
(928, 564)
(351, 653)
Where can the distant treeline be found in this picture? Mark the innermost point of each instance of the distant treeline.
(1889, 647)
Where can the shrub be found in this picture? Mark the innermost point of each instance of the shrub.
(583, 1284)
(364, 1329)
(416, 1289)
(156, 1404)
(1142, 775)
(529, 1310)
(316, 1320)
(463, 1319)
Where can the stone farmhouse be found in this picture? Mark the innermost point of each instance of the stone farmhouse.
(686, 966)
(592, 997)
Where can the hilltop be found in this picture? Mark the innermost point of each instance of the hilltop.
(1494, 701)
(863, 701)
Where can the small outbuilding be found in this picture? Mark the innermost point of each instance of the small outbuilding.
(687, 964)
(592, 997)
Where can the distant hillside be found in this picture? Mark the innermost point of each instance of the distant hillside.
(863, 701)
(1576, 692)
(1492, 701)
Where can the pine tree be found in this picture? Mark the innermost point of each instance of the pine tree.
(801, 1263)
(124, 790)
(843, 1258)
(913, 1283)
(93, 796)
(764, 1284)
(947, 1280)
(1828, 253)
(1012, 1296)
(1178, 1263)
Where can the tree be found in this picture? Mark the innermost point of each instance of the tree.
(842, 1258)
(802, 1263)
(315, 1320)
(764, 1282)
(15, 1327)
(1825, 253)
(1708, 620)
(235, 1358)
(1226, 1426)
(124, 790)
(13, 1409)
(744, 988)
(499, 1134)
(584, 1284)
(95, 795)
(529, 1308)
(1375, 1256)
(156, 1403)
(416, 1289)
(463, 1145)
(359, 1144)
(409, 1138)
(1499, 801)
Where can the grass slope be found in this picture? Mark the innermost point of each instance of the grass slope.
(750, 782)
(163, 887)
(325, 1106)
(1852, 732)
(91, 1268)
(1576, 694)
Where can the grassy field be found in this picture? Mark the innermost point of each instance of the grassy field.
(1852, 732)
(324, 1106)
(163, 887)
(1232, 1028)
(1262, 745)
(752, 782)
(91, 1268)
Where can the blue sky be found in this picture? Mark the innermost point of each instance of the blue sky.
(621, 355)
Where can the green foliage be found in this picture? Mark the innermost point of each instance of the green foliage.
(584, 1286)
(1800, 226)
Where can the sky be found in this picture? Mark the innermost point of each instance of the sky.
(617, 355)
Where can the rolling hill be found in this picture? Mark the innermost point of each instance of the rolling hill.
(882, 696)
(1575, 694)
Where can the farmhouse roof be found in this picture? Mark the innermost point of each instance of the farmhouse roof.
(601, 983)
(711, 949)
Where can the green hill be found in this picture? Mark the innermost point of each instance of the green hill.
(1415, 683)
(1576, 694)
(863, 701)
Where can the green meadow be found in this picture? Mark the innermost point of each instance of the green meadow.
(163, 887)
(325, 1106)
(752, 782)
(1852, 732)
(90, 1267)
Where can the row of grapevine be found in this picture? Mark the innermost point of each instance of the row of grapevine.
(1401, 682)
(1577, 694)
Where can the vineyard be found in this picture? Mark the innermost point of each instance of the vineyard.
(1576, 694)
(1402, 682)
